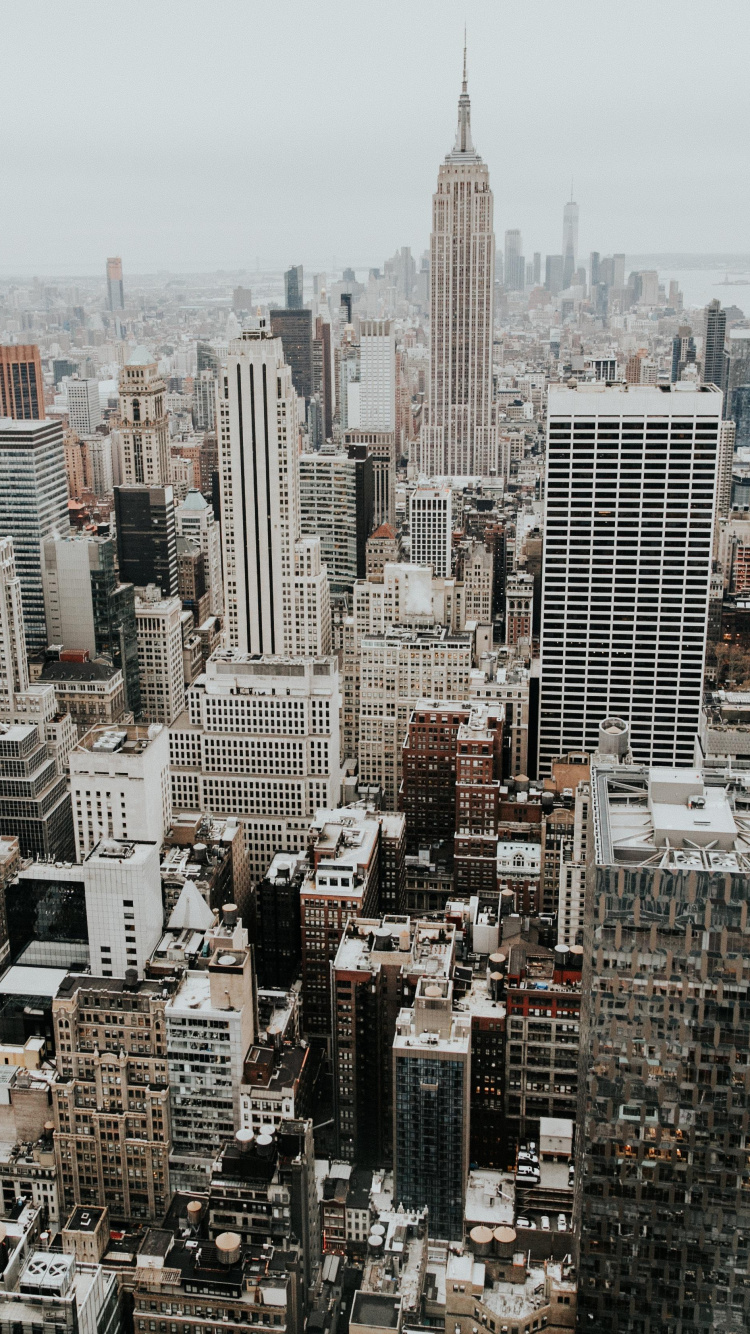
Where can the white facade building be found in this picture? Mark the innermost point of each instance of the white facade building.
(631, 475)
(276, 591)
(84, 407)
(431, 526)
(195, 519)
(260, 741)
(124, 910)
(377, 376)
(160, 661)
(14, 672)
(143, 431)
(119, 782)
(458, 437)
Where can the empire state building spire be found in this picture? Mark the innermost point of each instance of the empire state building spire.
(459, 434)
(463, 149)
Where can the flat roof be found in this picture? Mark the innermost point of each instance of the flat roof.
(597, 399)
(375, 1308)
(21, 981)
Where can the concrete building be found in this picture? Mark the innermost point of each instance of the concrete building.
(277, 598)
(380, 446)
(111, 1042)
(14, 671)
(120, 786)
(34, 802)
(431, 1098)
(194, 519)
(87, 607)
(160, 661)
(377, 376)
(260, 741)
(336, 504)
(211, 1025)
(383, 548)
(21, 383)
(431, 528)
(377, 965)
(625, 608)
(32, 465)
(91, 692)
(519, 608)
(459, 437)
(124, 911)
(143, 423)
(672, 839)
(396, 670)
(115, 292)
(84, 407)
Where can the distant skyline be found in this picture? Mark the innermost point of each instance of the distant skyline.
(192, 140)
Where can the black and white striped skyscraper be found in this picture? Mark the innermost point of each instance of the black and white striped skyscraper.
(631, 476)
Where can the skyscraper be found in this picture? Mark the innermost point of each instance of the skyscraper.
(661, 1163)
(295, 329)
(21, 384)
(86, 605)
(33, 505)
(84, 407)
(115, 292)
(570, 241)
(430, 525)
(143, 425)
(293, 288)
(146, 537)
(276, 590)
(514, 262)
(458, 437)
(715, 359)
(683, 352)
(627, 564)
(14, 671)
(377, 376)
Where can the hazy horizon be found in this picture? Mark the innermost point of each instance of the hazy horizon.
(192, 141)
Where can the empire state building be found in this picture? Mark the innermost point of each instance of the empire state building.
(459, 437)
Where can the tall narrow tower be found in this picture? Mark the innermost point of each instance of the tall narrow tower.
(570, 240)
(143, 421)
(458, 436)
(276, 591)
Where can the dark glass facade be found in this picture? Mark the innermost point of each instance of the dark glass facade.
(48, 911)
(294, 328)
(429, 1128)
(147, 537)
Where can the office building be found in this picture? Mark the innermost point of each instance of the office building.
(553, 274)
(84, 408)
(295, 329)
(147, 537)
(570, 242)
(431, 1099)
(34, 802)
(627, 566)
(337, 505)
(380, 446)
(88, 608)
(323, 377)
(293, 288)
(14, 671)
(117, 1153)
(21, 383)
(655, 1083)
(159, 635)
(214, 1011)
(204, 401)
(431, 528)
(98, 454)
(458, 437)
(377, 965)
(683, 352)
(33, 505)
(397, 669)
(260, 741)
(277, 936)
(124, 911)
(519, 607)
(120, 786)
(377, 376)
(715, 357)
(143, 424)
(115, 291)
(90, 690)
(277, 597)
(514, 263)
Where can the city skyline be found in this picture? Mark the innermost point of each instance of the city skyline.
(175, 131)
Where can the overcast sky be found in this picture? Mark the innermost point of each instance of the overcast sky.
(205, 134)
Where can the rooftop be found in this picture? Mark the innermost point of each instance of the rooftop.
(676, 818)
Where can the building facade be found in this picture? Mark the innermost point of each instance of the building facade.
(33, 505)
